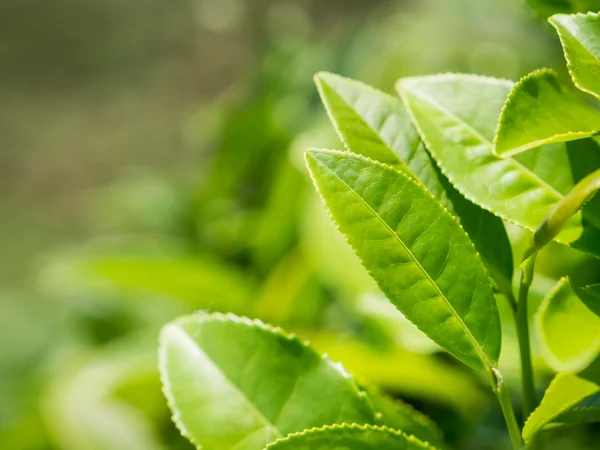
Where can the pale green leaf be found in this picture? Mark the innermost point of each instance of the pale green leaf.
(580, 38)
(547, 8)
(349, 437)
(377, 125)
(416, 251)
(456, 116)
(196, 281)
(233, 383)
(566, 391)
(569, 331)
(540, 111)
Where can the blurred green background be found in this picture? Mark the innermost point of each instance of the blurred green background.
(151, 165)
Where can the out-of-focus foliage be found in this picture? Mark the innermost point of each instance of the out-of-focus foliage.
(150, 168)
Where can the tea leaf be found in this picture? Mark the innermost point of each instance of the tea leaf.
(566, 391)
(377, 125)
(540, 111)
(569, 331)
(580, 38)
(456, 116)
(349, 437)
(416, 251)
(236, 383)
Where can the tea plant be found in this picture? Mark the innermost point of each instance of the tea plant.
(422, 193)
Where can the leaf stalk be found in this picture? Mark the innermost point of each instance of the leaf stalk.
(522, 322)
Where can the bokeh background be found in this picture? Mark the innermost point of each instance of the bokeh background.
(151, 165)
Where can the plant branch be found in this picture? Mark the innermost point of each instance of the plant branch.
(501, 391)
(522, 322)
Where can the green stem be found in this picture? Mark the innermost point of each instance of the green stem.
(522, 321)
(501, 391)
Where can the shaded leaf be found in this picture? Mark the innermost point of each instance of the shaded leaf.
(569, 331)
(580, 38)
(236, 383)
(401, 416)
(416, 251)
(540, 111)
(456, 115)
(590, 295)
(349, 437)
(377, 125)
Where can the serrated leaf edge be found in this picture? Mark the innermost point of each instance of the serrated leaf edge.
(254, 323)
(535, 431)
(570, 64)
(443, 168)
(488, 364)
(510, 100)
(354, 426)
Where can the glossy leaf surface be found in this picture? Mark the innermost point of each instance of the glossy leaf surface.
(456, 115)
(378, 126)
(349, 437)
(540, 111)
(580, 38)
(416, 251)
(569, 331)
(565, 392)
(236, 383)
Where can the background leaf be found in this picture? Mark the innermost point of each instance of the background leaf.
(549, 7)
(569, 331)
(415, 250)
(349, 437)
(540, 111)
(580, 38)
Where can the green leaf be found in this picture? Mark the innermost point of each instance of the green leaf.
(236, 383)
(569, 331)
(401, 416)
(590, 295)
(580, 38)
(199, 282)
(456, 116)
(566, 391)
(349, 437)
(416, 251)
(540, 111)
(547, 8)
(378, 126)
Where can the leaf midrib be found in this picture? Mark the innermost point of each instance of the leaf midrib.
(474, 342)
(194, 347)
